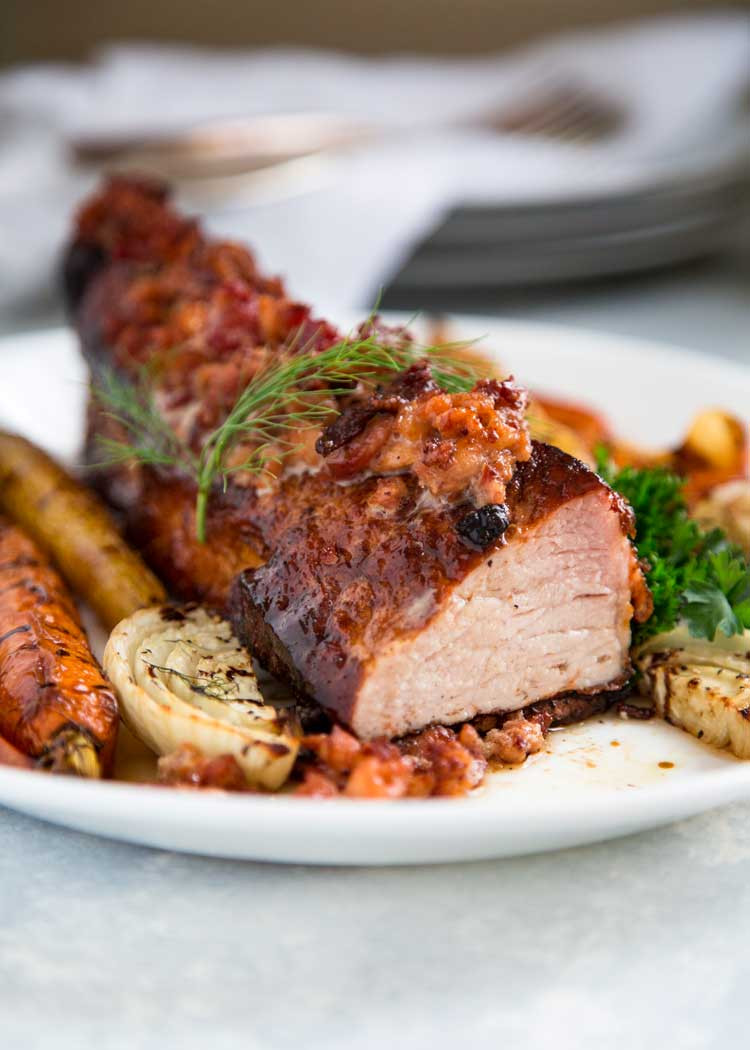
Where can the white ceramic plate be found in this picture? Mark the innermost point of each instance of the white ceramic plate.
(597, 780)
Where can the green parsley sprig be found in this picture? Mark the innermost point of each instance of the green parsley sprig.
(695, 576)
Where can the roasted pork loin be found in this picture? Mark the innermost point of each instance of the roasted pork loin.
(391, 622)
(420, 563)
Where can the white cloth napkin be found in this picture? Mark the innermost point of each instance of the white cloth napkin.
(341, 230)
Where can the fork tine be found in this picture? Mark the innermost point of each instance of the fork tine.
(564, 111)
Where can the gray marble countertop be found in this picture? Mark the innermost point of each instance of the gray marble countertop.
(639, 943)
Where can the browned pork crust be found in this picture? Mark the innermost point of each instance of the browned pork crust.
(364, 564)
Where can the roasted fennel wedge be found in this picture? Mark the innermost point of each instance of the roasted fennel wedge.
(183, 678)
(700, 686)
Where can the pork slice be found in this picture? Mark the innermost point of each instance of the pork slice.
(548, 613)
(392, 623)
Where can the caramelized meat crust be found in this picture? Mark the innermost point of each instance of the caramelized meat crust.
(146, 287)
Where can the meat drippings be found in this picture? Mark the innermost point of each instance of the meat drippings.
(438, 761)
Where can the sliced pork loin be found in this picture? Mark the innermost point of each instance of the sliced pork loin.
(383, 613)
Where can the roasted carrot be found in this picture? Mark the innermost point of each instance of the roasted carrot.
(55, 704)
(72, 525)
(11, 756)
(590, 426)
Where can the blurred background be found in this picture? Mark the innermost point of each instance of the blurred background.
(35, 30)
(578, 161)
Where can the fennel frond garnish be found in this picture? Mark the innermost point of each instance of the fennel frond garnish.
(280, 399)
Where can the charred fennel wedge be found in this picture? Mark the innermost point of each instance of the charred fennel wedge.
(183, 678)
(700, 686)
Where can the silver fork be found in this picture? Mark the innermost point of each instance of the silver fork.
(559, 110)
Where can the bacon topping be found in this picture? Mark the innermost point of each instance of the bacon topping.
(515, 741)
(197, 311)
(433, 762)
(189, 767)
(463, 445)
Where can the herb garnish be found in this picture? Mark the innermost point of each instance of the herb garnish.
(278, 400)
(695, 576)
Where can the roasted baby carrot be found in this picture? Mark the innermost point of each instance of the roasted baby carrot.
(55, 704)
(11, 756)
(73, 526)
